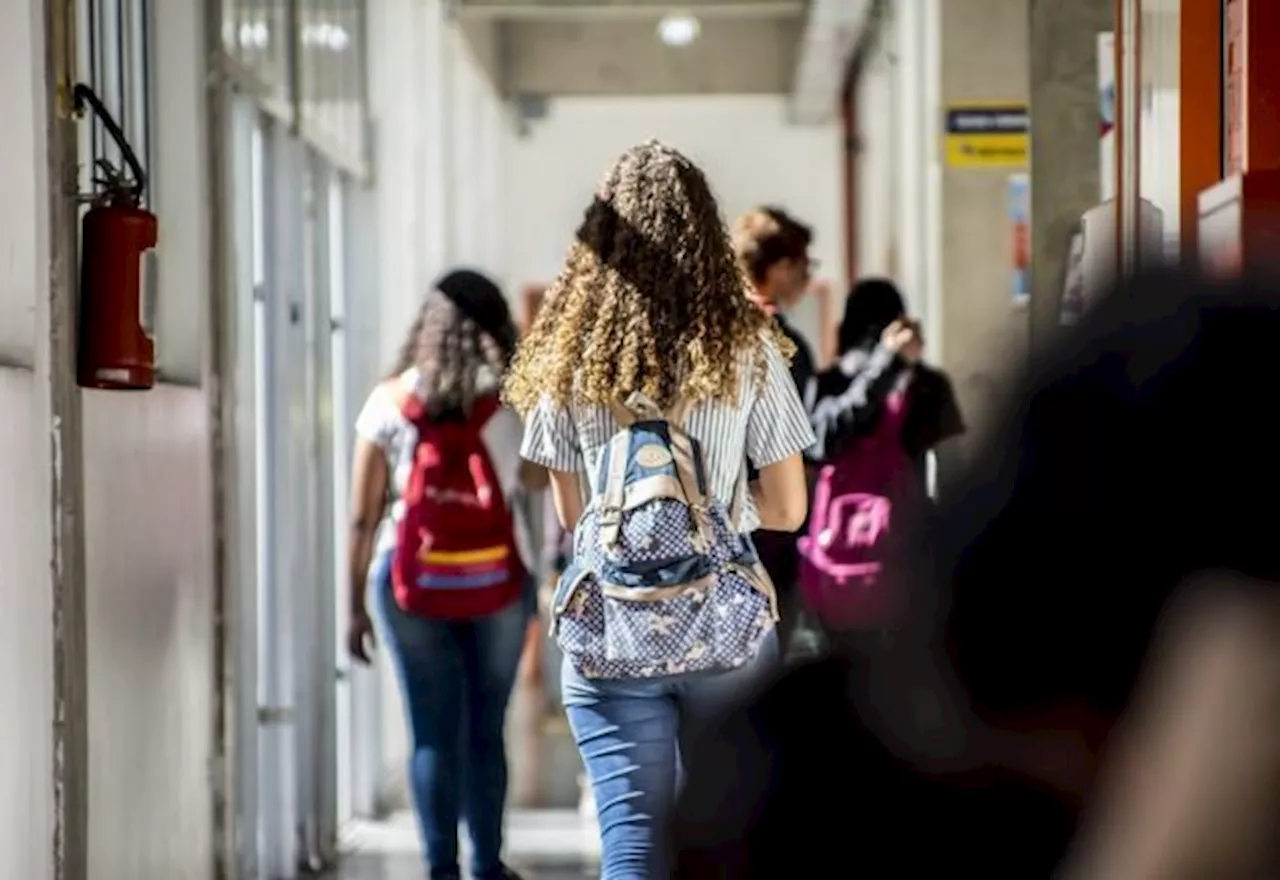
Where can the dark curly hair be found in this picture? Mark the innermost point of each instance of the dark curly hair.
(651, 297)
(462, 331)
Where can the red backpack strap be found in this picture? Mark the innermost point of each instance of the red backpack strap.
(409, 404)
(415, 411)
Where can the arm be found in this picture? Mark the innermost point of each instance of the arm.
(950, 420)
(534, 477)
(566, 492)
(368, 499)
(781, 494)
(836, 419)
(551, 444)
(934, 414)
(777, 434)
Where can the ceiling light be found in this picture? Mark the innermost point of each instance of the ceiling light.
(325, 35)
(255, 35)
(678, 29)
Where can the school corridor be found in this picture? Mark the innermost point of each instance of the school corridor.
(221, 215)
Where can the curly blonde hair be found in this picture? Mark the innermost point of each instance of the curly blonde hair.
(651, 297)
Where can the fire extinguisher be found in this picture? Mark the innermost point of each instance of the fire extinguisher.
(115, 350)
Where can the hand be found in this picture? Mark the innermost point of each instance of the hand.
(902, 337)
(913, 351)
(360, 638)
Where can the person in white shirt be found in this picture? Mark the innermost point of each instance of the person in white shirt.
(456, 675)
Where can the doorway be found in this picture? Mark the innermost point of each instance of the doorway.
(288, 468)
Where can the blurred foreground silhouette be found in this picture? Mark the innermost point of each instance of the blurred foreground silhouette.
(1088, 684)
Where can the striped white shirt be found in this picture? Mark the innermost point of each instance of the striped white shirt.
(767, 424)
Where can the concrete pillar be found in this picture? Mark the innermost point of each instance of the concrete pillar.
(983, 62)
(1064, 142)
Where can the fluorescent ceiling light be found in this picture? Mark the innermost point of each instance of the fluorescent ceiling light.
(254, 35)
(678, 29)
(325, 35)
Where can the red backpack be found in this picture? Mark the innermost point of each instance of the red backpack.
(456, 554)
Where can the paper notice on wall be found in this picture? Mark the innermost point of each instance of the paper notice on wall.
(1020, 229)
(995, 135)
(1106, 116)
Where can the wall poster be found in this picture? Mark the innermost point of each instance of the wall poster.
(1020, 229)
(1106, 116)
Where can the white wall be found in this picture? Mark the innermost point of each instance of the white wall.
(147, 526)
(878, 165)
(482, 129)
(26, 644)
(149, 531)
(151, 685)
(1158, 166)
(744, 144)
(26, 632)
(443, 133)
(22, 101)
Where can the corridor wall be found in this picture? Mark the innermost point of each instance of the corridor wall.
(985, 327)
(140, 519)
(439, 197)
(149, 527)
(26, 627)
(943, 229)
(751, 153)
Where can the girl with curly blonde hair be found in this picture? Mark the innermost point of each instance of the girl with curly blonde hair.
(652, 302)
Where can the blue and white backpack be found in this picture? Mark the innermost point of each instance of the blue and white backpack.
(661, 582)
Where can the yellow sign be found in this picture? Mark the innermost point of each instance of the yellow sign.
(988, 136)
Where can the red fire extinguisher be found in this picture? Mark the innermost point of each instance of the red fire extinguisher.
(115, 351)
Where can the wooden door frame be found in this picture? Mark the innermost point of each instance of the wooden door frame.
(1201, 138)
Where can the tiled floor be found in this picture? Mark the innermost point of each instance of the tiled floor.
(541, 845)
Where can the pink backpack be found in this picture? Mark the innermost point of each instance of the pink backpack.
(862, 503)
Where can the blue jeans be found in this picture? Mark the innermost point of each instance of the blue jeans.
(456, 678)
(630, 735)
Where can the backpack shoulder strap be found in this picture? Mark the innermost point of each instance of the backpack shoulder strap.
(739, 500)
(408, 403)
(677, 412)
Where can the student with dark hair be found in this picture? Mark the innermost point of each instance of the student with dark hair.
(1125, 496)
(876, 413)
(881, 353)
(440, 561)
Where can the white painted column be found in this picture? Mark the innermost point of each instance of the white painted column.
(909, 91)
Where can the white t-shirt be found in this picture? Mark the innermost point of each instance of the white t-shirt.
(382, 423)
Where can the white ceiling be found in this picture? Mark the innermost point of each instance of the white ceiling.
(548, 47)
(584, 9)
(831, 36)
(799, 47)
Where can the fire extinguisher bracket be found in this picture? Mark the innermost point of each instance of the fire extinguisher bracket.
(115, 352)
